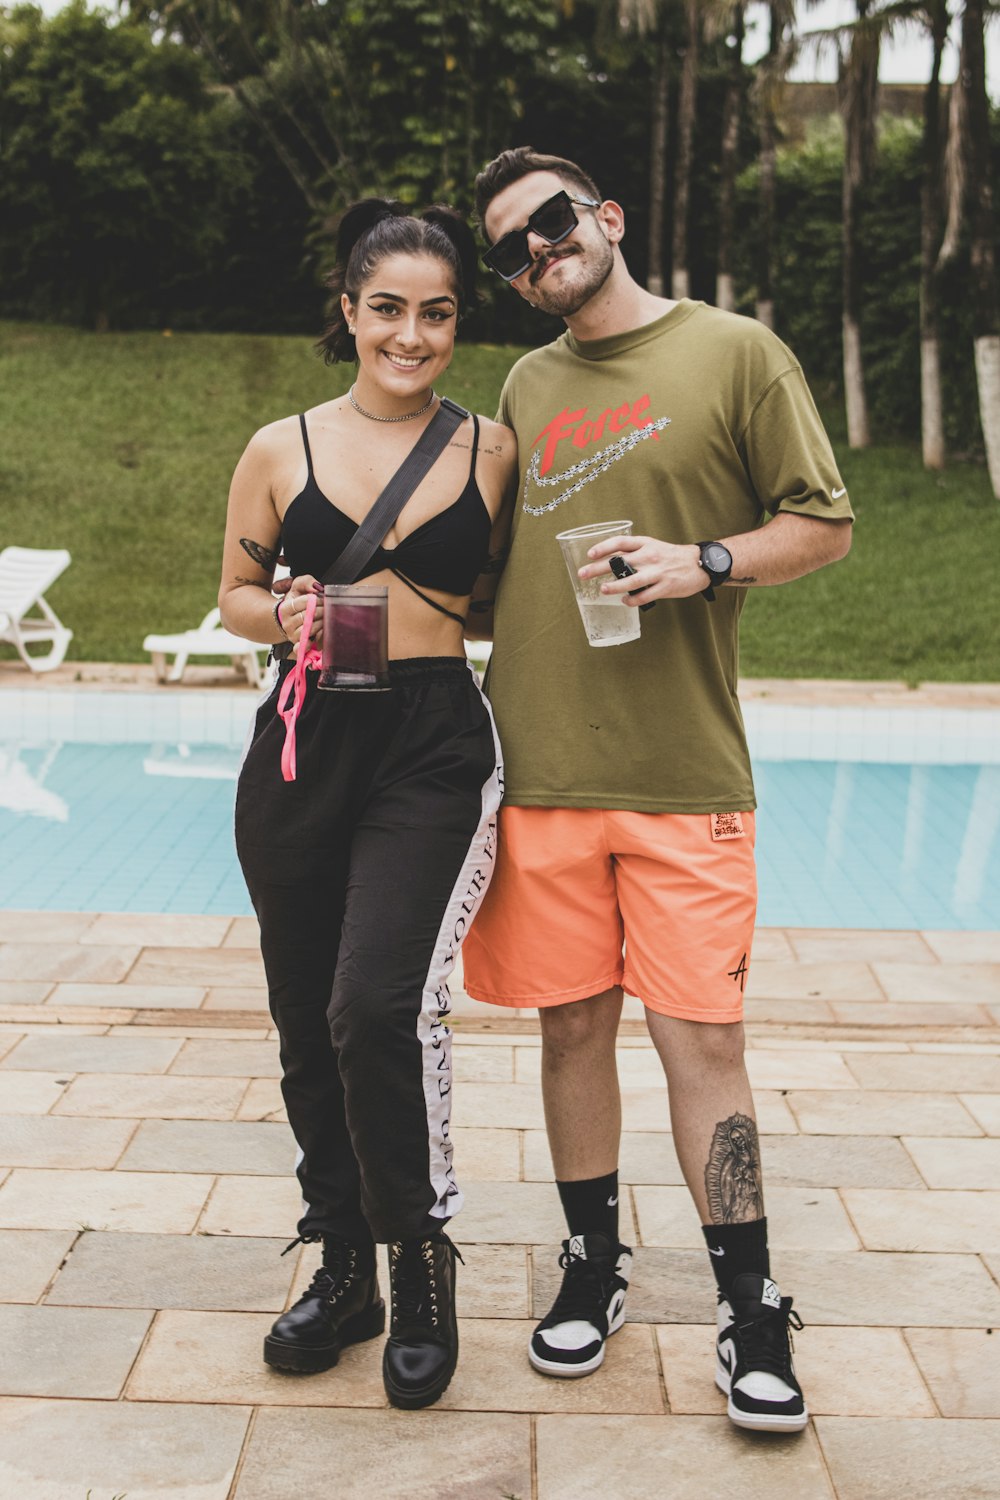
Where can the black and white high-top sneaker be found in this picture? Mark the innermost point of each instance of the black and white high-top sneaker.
(589, 1308)
(754, 1357)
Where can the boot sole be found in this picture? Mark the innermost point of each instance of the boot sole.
(313, 1360)
(413, 1400)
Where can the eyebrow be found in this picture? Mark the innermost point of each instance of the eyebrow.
(395, 297)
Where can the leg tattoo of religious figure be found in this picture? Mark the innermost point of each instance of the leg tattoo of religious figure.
(733, 1175)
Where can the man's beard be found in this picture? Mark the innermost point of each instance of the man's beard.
(564, 302)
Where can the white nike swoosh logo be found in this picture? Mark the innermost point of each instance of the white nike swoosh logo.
(613, 1201)
(837, 493)
(715, 1252)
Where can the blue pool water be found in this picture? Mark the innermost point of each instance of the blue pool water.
(849, 834)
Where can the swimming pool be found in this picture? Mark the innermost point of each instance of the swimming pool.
(869, 818)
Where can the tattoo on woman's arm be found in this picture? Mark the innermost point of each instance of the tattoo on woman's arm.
(733, 1175)
(263, 556)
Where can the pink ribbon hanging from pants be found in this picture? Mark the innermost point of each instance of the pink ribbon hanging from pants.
(293, 690)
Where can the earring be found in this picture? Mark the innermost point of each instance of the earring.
(351, 329)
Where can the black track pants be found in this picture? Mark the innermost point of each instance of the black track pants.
(365, 873)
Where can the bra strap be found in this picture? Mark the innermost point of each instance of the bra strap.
(475, 445)
(305, 442)
(459, 619)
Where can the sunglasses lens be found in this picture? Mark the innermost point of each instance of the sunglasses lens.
(509, 256)
(554, 220)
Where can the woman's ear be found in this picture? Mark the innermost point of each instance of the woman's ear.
(347, 308)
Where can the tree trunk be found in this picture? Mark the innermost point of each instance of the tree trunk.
(857, 88)
(767, 178)
(985, 308)
(725, 295)
(658, 165)
(931, 408)
(685, 148)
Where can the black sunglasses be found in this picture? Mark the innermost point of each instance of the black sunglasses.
(553, 221)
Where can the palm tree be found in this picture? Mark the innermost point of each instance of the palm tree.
(728, 18)
(937, 19)
(771, 72)
(649, 19)
(687, 109)
(857, 94)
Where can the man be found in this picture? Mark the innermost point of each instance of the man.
(628, 816)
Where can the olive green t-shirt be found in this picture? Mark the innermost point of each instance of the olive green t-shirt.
(695, 427)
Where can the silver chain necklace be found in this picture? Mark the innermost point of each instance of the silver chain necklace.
(407, 416)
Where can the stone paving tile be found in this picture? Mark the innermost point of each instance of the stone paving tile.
(200, 966)
(887, 1290)
(440, 1454)
(44, 926)
(500, 1105)
(216, 1146)
(244, 932)
(687, 1458)
(937, 1073)
(483, 1064)
(843, 980)
(786, 1012)
(30, 1093)
(493, 1283)
(252, 1205)
(817, 945)
(836, 1161)
(223, 997)
(888, 1113)
(984, 1109)
(916, 983)
(57, 961)
(131, 997)
(29, 1258)
(948, 1163)
(519, 1213)
(865, 1372)
(160, 930)
(94, 1054)
(896, 1014)
(964, 947)
(646, 1156)
(231, 1274)
(772, 944)
(218, 1059)
(18, 992)
(797, 1219)
(262, 1101)
(149, 1202)
(898, 1219)
(881, 1459)
(797, 1070)
(217, 1356)
(65, 1450)
(962, 1368)
(487, 1155)
(46, 1141)
(141, 1096)
(494, 1374)
(68, 1351)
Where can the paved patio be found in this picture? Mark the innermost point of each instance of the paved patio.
(146, 1192)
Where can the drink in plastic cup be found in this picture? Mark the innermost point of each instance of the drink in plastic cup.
(607, 620)
(355, 638)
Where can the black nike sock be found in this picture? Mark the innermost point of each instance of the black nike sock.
(591, 1205)
(735, 1248)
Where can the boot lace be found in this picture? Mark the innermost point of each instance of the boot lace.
(413, 1282)
(585, 1288)
(766, 1342)
(335, 1277)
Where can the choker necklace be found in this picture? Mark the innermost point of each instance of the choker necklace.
(406, 417)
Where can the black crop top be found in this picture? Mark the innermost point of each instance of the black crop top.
(447, 552)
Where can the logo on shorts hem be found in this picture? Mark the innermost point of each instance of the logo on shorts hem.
(727, 825)
(739, 974)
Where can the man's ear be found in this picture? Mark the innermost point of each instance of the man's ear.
(611, 217)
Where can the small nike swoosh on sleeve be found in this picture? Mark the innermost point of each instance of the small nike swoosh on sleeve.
(837, 493)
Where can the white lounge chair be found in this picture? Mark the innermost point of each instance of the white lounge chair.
(210, 639)
(478, 653)
(25, 574)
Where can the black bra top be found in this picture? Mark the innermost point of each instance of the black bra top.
(447, 552)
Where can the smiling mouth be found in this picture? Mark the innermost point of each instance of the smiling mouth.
(548, 263)
(402, 362)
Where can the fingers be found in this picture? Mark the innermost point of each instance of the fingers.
(602, 550)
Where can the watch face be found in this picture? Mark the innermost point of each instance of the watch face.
(717, 557)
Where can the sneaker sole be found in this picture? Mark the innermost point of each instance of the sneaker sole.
(764, 1421)
(573, 1372)
(295, 1360)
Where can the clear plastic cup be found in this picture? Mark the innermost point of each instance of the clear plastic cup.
(355, 638)
(607, 620)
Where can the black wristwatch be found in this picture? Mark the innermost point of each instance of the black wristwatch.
(717, 562)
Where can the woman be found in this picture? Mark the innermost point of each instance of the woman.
(366, 869)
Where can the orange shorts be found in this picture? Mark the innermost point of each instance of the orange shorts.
(585, 898)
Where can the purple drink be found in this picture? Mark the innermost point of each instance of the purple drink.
(355, 638)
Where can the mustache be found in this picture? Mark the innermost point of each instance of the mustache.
(550, 260)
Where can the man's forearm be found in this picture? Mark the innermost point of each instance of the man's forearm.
(788, 547)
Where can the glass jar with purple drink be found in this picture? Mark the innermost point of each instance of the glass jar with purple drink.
(355, 638)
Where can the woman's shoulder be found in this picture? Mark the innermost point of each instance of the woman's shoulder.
(497, 439)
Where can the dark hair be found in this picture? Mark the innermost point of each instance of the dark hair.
(511, 166)
(378, 227)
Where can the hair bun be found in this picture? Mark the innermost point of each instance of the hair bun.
(361, 217)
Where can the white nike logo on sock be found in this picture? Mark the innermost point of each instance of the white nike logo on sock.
(715, 1252)
(613, 1201)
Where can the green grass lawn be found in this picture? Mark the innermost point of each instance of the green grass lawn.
(120, 447)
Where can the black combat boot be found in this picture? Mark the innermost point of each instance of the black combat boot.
(342, 1306)
(422, 1348)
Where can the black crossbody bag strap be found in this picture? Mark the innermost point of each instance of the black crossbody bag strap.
(372, 532)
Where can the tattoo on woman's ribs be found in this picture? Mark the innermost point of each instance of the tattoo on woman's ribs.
(732, 1174)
